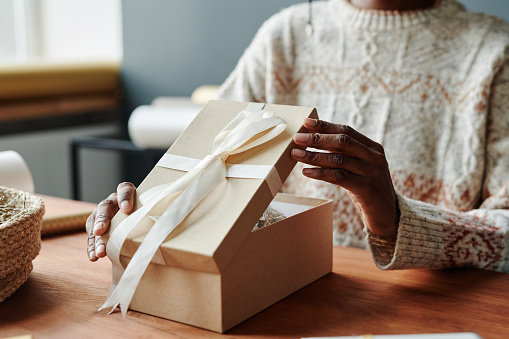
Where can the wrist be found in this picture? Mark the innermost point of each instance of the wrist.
(387, 229)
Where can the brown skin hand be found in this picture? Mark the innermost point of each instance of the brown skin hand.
(356, 163)
(99, 221)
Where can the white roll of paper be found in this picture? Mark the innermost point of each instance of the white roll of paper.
(159, 126)
(14, 172)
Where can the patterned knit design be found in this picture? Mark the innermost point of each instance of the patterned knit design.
(432, 87)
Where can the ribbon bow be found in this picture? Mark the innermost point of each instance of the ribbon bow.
(241, 134)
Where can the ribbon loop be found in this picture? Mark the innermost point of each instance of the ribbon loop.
(244, 132)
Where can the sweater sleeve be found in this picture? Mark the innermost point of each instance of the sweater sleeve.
(432, 237)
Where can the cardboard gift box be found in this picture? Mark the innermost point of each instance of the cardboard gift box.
(216, 269)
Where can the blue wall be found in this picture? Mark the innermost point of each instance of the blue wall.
(173, 46)
(499, 8)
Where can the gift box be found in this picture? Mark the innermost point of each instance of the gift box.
(215, 269)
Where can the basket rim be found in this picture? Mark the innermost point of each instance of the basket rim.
(34, 206)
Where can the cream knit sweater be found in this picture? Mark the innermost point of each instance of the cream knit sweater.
(432, 87)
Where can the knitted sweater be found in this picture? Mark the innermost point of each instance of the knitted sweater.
(432, 87)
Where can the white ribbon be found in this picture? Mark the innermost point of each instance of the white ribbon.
(241, 134)
(181, 163)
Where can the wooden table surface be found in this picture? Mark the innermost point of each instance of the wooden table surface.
(64, 291)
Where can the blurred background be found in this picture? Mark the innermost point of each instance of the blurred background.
(72, 72)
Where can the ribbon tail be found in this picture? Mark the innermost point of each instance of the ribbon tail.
(120, 234)
(115, 300)
(116, 274)
(105, 305)
(113, 309)
(205, 182)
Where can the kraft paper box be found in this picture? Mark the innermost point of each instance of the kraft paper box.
(214, 271)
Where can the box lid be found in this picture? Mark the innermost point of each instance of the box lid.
(214, 231)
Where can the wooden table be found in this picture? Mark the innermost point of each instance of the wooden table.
(64, 215)
(64, 291)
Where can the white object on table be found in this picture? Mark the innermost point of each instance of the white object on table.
(14, 172)
(160, 124)
(463, 335)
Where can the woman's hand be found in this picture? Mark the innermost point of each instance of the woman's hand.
(355, 163)
(99, 220)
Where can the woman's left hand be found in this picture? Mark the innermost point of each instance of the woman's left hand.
(356, 163)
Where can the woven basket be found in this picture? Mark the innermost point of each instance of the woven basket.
(20, 237)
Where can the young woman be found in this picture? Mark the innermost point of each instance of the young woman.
(414, 109)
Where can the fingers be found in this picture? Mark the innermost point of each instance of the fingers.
(125, 196)
(348, 149)
(104, 213)
(98, 222)
(356, 163)
(331, 160)
(123, 200)
(91, 247)
(324, 127)
(334, 143)
(100, 247)
(350, 181)
(91, 238)
(89, 225)
(96, 247)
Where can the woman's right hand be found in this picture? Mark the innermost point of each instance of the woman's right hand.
(99, 221)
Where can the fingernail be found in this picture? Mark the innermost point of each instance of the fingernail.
(100, 249)
(91, 255)
(307, 171)
(301, 137)
(99, 226)
(298, 152)
(124, 206)
(310, 122)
